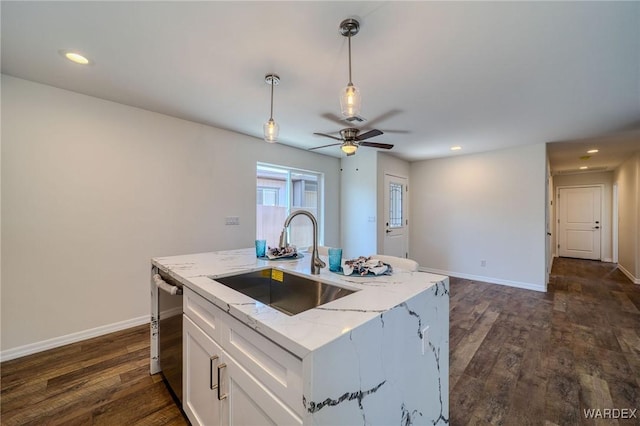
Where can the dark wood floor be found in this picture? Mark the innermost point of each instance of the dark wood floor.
(521, 357)
(101, 381)
(517, 357)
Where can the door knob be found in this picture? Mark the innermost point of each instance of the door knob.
(387, 231)
(597, 227)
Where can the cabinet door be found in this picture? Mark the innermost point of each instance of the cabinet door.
(248, 402)
(201, 357)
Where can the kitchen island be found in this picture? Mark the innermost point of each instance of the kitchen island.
(377, 356)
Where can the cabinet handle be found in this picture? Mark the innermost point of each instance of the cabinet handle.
(211, 385)
(224, 396)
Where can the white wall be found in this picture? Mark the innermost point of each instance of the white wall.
(627, 178)
(488, 206)
(388, 164)
(358, 200)
(597, 178)
(362, 205)
(92, 189)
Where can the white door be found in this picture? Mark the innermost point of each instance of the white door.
(579, 222)
(396, 222)
(548, 214)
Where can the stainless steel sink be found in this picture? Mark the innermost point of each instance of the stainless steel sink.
(288, 293)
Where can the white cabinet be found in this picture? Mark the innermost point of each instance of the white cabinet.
(200, 401)
(240, 378)
(249, 401)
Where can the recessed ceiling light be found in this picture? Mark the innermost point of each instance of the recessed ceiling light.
(75, 57)
(583, 167)
(592, 151)
(456, 148)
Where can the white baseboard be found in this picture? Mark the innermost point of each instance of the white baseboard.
(491, 280)
(607, 260)
(628, 274)
(44, 345)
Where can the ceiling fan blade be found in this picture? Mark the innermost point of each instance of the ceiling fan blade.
(369, 134)
(387, 115)
(376, 145)
(328, 136)
(332, 117)
(325, 146)
(356, 119)
(400, 132)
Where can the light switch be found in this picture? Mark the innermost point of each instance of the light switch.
(232, 220)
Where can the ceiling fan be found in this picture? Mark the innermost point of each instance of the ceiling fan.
(351, 139)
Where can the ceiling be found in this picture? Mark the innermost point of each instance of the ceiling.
(481, 75)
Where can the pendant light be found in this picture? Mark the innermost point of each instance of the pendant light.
(350, 96)
(271, 128)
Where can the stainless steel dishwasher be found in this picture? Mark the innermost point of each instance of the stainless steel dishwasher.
(169, 331)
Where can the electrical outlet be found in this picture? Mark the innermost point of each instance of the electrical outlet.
(232, 220)
(483, 263)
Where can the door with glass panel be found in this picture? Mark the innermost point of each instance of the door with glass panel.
(396, 221)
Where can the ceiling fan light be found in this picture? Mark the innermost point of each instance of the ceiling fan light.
(349, 148)
(350, 101)
(271, 130)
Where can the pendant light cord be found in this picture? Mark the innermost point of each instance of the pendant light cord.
(272, 83)
(350, 82)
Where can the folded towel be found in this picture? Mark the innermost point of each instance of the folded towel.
(365, 266)
(281, 252)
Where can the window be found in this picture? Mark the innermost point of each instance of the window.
(395, 205)
(282, 190)
(268, 196)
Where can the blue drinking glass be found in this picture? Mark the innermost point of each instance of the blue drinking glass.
(261, 247)
(335, 259)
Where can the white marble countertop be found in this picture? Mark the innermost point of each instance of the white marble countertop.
(309, 330)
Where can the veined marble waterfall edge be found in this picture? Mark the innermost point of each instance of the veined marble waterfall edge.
(391, 371)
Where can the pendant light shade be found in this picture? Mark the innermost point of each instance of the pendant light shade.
(271, 128)
(350, 101)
